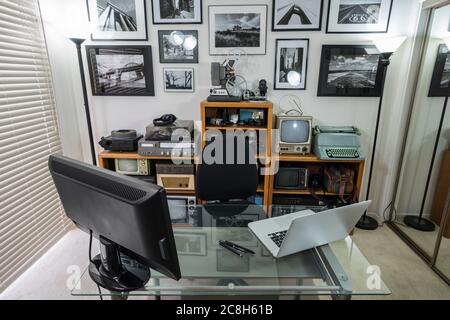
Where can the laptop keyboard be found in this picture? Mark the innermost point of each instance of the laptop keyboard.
(278, 237)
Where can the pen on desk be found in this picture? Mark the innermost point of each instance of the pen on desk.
(230, 249)
(238, 247)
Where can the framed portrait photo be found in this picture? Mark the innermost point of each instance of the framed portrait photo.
(178, 46)
(350, 71)
(177, 11)
(121, 70)
(297, 15)
(359, 16)
(441, 75)
(178, 79)
(291, 64)
(237, 27)
(118, 19)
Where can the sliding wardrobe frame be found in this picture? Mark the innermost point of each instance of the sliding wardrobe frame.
(419, 50)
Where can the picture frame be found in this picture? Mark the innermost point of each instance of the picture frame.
(227, 261)
(191, 243)
(121, 70)
(132, 24)
(297, 15)
(359, 16)
(241, 27)
(291, 55)
(350, 71)
(439, 86)
(178, 79)
(164, 12)
(170, 52)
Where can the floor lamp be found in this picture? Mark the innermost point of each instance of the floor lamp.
(420, 223)
(78, 42)
(387, 47)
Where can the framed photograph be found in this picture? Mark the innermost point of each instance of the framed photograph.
(121, 70)
(118, 19)
(237, 27)
(359, 16)
(178, 79)
(350, 71)
(177, 11)
(291, 62)
(297, 15)
(177, 50)
(441, 74)
(191, 243)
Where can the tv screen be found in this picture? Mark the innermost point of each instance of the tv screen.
(287, 179)
(295, 131)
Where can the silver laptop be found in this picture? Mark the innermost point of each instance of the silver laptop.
(305, 230)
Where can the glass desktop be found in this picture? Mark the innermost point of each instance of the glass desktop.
(338, 270)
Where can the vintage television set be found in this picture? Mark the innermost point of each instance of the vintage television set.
(295, 134)
(133, 167)
(291, 178)
(182, 208)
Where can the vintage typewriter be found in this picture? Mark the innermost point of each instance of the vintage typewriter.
(337, 143)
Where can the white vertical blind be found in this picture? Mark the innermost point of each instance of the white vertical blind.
(31, 216)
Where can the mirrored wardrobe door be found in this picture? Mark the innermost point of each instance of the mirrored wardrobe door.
(427, 141)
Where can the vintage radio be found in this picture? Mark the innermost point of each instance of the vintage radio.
(133, 167)
(176, 177)
(295, 134)
(291, 178)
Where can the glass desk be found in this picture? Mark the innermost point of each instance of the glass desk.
(338, 270)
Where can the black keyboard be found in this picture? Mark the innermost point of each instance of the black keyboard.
(278, 237)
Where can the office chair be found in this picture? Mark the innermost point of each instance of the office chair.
(232, 181)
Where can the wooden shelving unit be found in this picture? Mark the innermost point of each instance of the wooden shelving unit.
(266, 183)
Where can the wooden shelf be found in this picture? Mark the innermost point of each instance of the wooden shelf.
(311, 159)
(180, 193)
(238, 105)
(260, 188)
(304, 192)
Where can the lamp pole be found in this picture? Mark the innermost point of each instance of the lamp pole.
(366, 222)
(78, 42)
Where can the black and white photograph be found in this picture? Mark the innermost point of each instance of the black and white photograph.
(297, 15)
(350, 71)
(177, 11)
(441, 74)
(178, 79)
(178, 46)
(232, 27)
(118, 19)
(191, 243)
(291, 64)
(359, 16)
(121, 70)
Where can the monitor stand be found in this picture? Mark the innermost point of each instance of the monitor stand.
(115, 271)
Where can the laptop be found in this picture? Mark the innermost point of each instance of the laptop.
(304, 230)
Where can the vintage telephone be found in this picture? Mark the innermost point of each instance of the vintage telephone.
(165, 120)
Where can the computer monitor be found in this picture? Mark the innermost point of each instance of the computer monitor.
(130, 217)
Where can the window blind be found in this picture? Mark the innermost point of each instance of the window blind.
(31, 215)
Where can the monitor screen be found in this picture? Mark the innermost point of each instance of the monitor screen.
(295, 131)
(128, 165)
(287, 179)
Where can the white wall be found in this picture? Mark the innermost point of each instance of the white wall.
(111, 113)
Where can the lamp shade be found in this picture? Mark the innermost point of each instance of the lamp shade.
(389, 45)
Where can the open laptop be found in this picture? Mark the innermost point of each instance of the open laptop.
(304, 230)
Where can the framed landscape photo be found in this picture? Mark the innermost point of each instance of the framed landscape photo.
(237, 27)
(291, 64)
(441, 75)
(359, 16)
(350, 71)
(118, 19)
(178, 79)
(121, 70)
(297, 15)
(176, 46)
(177, 11)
